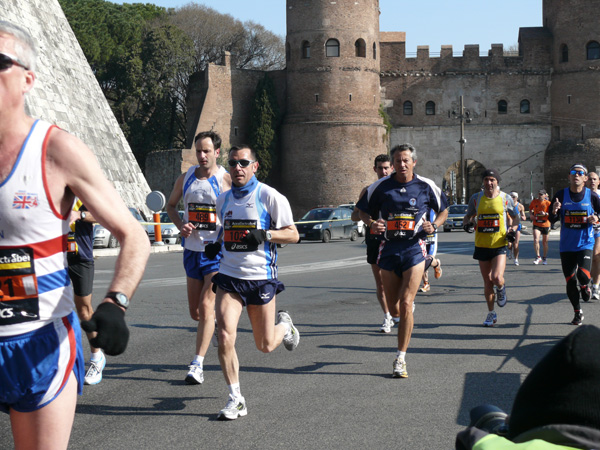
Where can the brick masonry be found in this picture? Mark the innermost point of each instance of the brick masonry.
(67, 94)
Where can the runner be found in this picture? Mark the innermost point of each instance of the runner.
(539, 210)
(592, 183)
(200, 186)
(577, 208)
(397, 206)
(520, 211)
(496, 222)
(431, 243)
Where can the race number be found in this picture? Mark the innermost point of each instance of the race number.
(19, 300)
(488, 223)
(400, 226)
(203, 216)
(235, 230)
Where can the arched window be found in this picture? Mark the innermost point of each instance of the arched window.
(564, 53)
(360, 48)
(430, 108)
(305, 49)
(287, 51)
(593, 50)
(502, 107)
(332, 48)
(374, 50)
(407, 108)
(525, 107)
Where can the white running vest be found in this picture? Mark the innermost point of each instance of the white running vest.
(263, 208)
(34, 282)
(199, 199)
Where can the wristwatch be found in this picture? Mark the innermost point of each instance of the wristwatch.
(269, 235)
(434, 227)
(82, 215)
(119, 298)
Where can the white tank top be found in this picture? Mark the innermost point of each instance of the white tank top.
(263, 208)
(34, 280)
(200, 199)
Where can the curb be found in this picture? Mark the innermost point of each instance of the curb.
(100, 252)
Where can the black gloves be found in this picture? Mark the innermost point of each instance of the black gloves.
(511, 236)
(212, 250)
(109, 322)
(469, 227)
(255, 237)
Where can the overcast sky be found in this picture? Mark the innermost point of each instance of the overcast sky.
(426, 22)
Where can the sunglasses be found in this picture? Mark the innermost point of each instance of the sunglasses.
(578, 172)
(7, 61)
(240, 162)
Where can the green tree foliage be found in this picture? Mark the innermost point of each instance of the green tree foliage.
(264, 122)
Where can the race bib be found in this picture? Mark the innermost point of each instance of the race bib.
(576, 219)
(488, 223)
(19, 300)
(235, 230)
(400, 226)
(203, 216)
(72, 247)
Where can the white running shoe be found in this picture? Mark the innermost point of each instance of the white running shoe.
(595, 293)
(292, 337)
(235, 407)
(537, 260)
(544, 261)
(399, 369)
(195, 374)
(387, 325)
(94, 373)
(516, 262)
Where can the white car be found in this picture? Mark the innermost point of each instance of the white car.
(104, 238)
(169, 233)
(360, 224)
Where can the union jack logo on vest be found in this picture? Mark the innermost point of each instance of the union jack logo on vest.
(25, 200)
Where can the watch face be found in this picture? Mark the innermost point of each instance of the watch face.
(120, 298)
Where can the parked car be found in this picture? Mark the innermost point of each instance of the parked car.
(324, 224)
(360, 224)
(455, 217)
(104, 238)
(169, 233)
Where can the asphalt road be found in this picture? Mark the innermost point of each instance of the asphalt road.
(335, 391)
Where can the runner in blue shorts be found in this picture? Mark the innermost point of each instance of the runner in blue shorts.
(397, 207)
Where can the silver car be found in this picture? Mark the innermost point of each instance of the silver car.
(104, 238)
(169, 233)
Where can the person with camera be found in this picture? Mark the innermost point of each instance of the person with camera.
(578, 209)
(556, 407)
(492, 217)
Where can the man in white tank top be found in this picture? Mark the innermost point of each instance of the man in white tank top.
(255, 218)
(200, 186)
(42, 169)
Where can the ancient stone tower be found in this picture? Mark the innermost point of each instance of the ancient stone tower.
(67, 94)
(332, 129)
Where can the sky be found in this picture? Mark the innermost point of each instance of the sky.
(426, 22)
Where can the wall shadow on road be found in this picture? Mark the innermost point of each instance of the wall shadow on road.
(164, 406)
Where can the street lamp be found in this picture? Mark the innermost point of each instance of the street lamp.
(465, 117)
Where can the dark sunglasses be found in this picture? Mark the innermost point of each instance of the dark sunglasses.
(577, 172)
(7, 61)
(241, 162)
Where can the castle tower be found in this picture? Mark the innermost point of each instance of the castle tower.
(332, 129)
(575, 90)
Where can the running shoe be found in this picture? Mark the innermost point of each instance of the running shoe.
(537, 260)
(578, 319)
(595, 293)
(94, 372)
(500, 295)
(438, 270)
(292, 337)
(195, 374)
(585, 293)
(399, 369)
(516, 262)
(235, 407)
(544, 261)
(215, 339)
(491, 319)
(425, 288)
(387, 325)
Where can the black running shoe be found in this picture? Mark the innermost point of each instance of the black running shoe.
(586, 293)
(578, 319)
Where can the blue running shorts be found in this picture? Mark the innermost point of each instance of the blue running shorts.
(35, 366)
(252, 292)
(404, 258)
(197, 265)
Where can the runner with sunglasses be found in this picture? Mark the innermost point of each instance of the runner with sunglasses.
(254, 219)
(42, 170)
(577, 208)
(200, 186)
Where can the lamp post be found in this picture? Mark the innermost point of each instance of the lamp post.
(464, 117)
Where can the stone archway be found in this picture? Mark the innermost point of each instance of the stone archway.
(453, 185)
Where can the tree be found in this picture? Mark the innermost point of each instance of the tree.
(264, 123)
